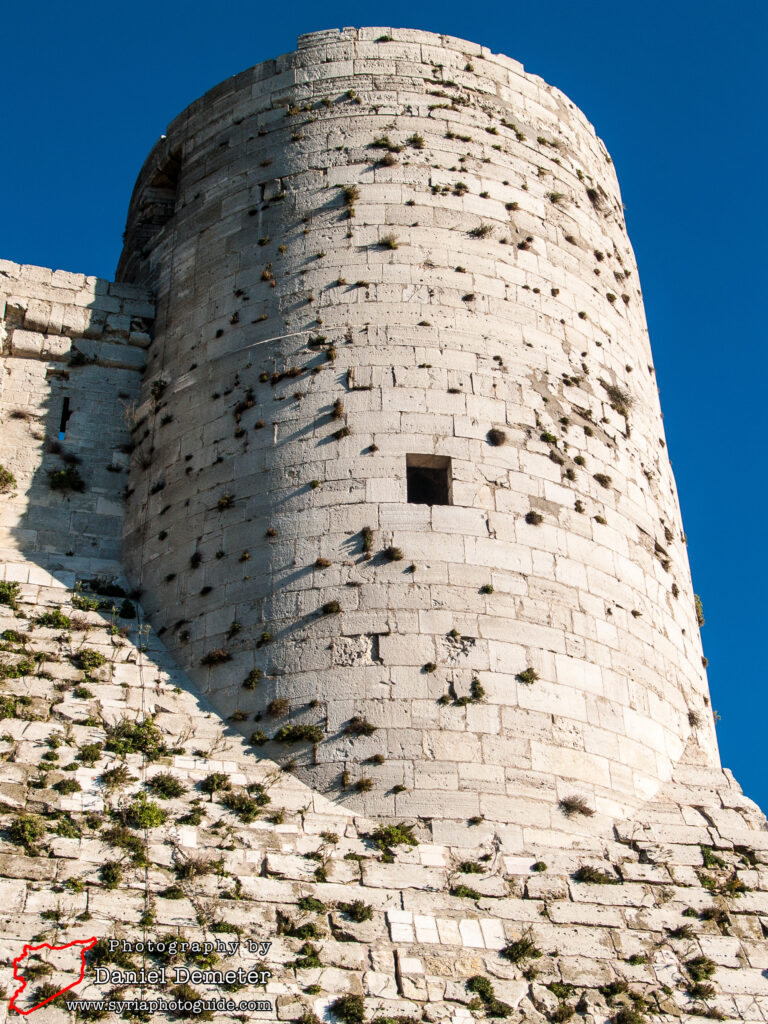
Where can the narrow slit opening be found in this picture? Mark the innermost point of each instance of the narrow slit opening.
(66, 412)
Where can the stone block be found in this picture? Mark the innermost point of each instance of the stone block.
(16, 866)
(391, 876)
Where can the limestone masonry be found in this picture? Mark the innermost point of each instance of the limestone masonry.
(345, 596)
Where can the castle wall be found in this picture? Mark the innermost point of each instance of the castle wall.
(73, 350)
(129, 808)
(618, 915)
(372, 249)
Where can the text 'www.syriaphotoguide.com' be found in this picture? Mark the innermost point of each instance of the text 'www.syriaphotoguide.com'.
(194, 1006)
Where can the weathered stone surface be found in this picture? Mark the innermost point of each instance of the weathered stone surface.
(426, 359)
(362, 327)
(27, 867)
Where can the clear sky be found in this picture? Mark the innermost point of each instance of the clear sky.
(676, 88)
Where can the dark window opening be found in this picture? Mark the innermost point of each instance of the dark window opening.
(429, 479)
(66, 412)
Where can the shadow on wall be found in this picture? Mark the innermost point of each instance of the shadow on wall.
(73, 353)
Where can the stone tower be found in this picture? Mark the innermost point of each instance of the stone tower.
(400, 501)
(373, 411)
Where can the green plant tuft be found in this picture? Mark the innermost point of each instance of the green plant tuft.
(144, 813)
(127, 737)
(466, 892)
(357, 726)
(86, 659)
(25, 830)
(9, 594)
(357, 911)
(575, 804)
(55, 619)
(216, 657)
(166, 786)
(593, 875)
(111, 874)
(66, 479)
(298, 734)
(520, 950)
(349, 1009)
(247, 808)
(7, 480)
(311, 905)
(385, 837)
(700, 968)
(67, 786)
(252, 680)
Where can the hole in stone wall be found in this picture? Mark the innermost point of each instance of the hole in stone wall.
(428, 479)
(66, 412)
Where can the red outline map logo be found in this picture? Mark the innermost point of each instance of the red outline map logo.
(85, 943)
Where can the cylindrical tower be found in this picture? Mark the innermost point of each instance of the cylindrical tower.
(400, 500)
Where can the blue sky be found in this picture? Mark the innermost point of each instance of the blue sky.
(677, 89)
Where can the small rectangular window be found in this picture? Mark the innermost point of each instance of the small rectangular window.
(429, 479)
